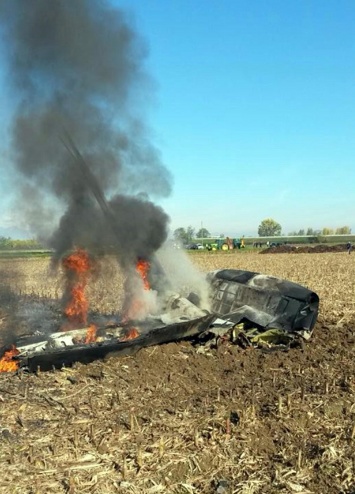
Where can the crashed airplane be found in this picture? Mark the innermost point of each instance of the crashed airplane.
(250, 301)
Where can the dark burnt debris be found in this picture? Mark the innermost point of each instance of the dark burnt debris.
(261, 311)
(247, 308)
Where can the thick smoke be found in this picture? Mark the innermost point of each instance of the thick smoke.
(76, 69)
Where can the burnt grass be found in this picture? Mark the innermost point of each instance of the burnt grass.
(176, 420)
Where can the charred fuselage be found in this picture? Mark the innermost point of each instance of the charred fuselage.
(265, 301)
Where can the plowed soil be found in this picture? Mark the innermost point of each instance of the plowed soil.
(304, 249)
(176, 420)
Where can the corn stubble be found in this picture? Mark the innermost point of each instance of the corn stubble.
(164, 420)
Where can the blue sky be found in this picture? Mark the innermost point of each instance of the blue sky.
(253, 111)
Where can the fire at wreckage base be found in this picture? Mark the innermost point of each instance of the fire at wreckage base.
(246, 307)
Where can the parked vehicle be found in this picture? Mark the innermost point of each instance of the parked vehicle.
(191, 246)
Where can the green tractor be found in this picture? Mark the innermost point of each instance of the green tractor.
(226, 244)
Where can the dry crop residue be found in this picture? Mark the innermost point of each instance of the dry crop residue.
(173, 420)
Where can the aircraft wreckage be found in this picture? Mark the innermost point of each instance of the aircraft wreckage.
(249, 307)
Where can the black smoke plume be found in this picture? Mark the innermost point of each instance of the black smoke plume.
(76, 68)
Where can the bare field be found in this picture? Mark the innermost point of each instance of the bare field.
(176, 421)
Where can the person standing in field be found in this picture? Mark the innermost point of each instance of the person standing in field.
(348, 247)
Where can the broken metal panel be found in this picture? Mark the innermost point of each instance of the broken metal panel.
(85, 353)
(243, 303)
(263, 300)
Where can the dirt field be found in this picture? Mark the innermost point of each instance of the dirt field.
(173, 420)
(305, 249)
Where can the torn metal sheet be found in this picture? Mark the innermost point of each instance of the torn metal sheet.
(246, 307)
(264, 301)
(45, 355)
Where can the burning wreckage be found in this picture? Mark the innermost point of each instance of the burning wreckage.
(245, 307)
(93, 79)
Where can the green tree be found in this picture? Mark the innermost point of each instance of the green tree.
(343, 230)
(310, 231)
(183, 235)
(3, 242)
(203, 233)
(327, 231)
(180, 235)
(190, 233)
(7, 243)
(269, 228)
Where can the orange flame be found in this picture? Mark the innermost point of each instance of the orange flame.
(91, 334)
(142, 268)
(134, 303)
(130, 335)
(6, 362)
(77, 266)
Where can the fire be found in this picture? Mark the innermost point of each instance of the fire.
(142, 268)
(91, 334)
(77, 266)
(136, 304)
(6, 362)
(131, 334)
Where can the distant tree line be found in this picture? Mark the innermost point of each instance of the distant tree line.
(186, 235)
(343, 230)
(267, 228)
(270, 228)
(7, 243)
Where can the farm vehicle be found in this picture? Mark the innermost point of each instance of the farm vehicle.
(226, 244)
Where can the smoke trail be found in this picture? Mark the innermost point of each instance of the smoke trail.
(79, 66)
